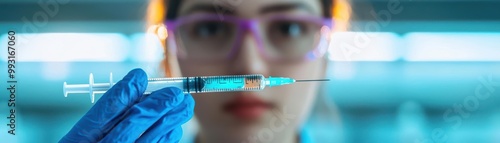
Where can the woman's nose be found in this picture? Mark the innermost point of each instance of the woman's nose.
(248, 59)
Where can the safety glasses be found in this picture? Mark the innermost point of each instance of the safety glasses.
(210, 37)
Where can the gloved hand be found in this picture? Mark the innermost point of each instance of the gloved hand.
(124, 114)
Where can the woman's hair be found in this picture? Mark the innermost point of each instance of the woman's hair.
(174, 5)
(161, 10)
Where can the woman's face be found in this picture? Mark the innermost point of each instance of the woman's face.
(243, 114)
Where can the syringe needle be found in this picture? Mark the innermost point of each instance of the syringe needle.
(309, 80)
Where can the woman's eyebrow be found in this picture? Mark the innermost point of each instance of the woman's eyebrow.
(212, 8)
(280, 7)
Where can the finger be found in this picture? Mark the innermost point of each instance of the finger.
(144, 114)
(173, 119)
(108, 110)
(173, 136)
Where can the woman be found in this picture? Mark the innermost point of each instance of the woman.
(205, 37)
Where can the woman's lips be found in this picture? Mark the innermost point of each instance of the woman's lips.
(247, 107)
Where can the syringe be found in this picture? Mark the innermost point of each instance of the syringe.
(200, 84)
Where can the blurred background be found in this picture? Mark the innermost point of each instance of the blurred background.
(398, 76)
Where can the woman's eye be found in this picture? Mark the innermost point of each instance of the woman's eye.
(291, 29)
(209, 29)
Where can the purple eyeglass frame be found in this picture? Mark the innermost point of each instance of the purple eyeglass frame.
(250, 25)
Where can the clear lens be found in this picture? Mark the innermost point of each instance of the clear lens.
(291, 39)
(206, 39)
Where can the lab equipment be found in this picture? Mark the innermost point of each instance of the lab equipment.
(200, 84)
(123, 115)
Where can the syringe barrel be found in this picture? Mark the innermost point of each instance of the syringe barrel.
(205, 84)
(200, 84)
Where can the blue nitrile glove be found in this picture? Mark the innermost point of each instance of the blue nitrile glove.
(124, 114)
